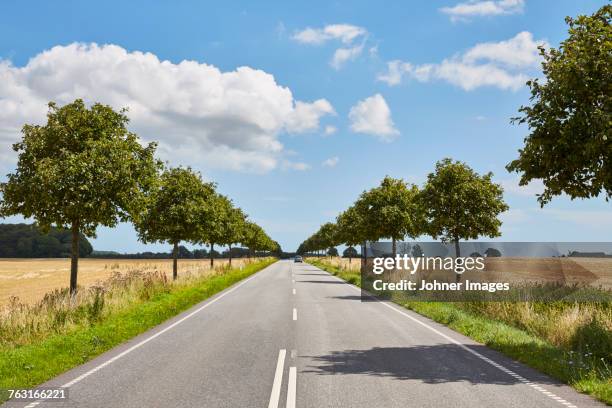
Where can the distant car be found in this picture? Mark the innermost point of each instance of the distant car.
(298, 259)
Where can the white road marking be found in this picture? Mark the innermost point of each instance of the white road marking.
(294, 291)
(291, 387)
(520, 378)
(145, 341)
(278, 379)
(294, 313)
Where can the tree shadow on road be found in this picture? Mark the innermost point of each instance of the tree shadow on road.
(431, 364)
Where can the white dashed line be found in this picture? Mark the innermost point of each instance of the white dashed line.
(278, 379)
(291, 387)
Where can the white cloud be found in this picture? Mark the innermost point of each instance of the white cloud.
(521, 51)
(342, 55)
(329, 130)
(331, 162)
(476, 8)
(372, 116)
(504, 65)
(306, 116)
(198, 113)
(345, 33)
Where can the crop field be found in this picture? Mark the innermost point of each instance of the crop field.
(31, 279)
(597, 272)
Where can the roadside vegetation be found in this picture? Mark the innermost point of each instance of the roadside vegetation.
(40, 341)
(571, 342)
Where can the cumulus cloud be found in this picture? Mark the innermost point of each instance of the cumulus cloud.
(331, 162)
(347, 34)
(476, 8)
(198, 113)
(372, 116)
(504, 65)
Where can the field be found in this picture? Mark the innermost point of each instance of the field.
(31, 279)
(597, 272)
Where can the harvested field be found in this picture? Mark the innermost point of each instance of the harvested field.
(31, 279)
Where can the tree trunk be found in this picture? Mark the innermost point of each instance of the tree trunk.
(230, 254)
(74, 259)
(394, 247)
(457, 254)
(212, 259)
(175, 261)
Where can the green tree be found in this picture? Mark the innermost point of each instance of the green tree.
(570, 120)
(391, 210)
(350, 253)
(82, 169)
(333, 251)
(177, 210)
(461, 204)
(232, 227)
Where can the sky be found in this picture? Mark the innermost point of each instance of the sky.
(295, 109)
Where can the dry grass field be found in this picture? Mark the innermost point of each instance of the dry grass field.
(595, 271)
(31, 279)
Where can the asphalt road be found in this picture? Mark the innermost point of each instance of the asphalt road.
(295, 336)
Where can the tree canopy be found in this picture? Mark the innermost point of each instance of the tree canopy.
(458, 203)
(176, 209)
(569, 146)
(82, 169)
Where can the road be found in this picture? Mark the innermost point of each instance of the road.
(295, 336)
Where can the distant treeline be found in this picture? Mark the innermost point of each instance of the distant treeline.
(27, 241)
(183, 253)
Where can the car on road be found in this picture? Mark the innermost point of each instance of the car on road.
(298, 259)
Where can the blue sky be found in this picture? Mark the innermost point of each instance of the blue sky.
(331, 96)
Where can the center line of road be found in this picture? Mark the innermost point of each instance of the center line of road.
(294, 291)
(291, 387)
(278, 379)
(294, 313)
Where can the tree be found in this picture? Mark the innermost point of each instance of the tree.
(232, 226)
(351, 228)
(570, 120)
(350, 253)
(460, 204)
(391, 210)
(177, 210)
(80, 170)
(332, 251)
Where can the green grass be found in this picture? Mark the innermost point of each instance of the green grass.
(25, 366)
(583, 372)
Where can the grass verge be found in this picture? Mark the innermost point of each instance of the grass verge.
(27, 365)
(583, 371)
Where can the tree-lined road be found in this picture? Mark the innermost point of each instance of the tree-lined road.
(295, 336)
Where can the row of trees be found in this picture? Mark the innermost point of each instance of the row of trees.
(84, 168)
(455, 203)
